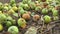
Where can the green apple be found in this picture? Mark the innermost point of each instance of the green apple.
(55, 12)
(14, 8)
(47, 19)
(26, 7)
(1, 6)
(11, 11)
(0, 12)
(12, 2)
(1, 27)
(14, 5)
(6, 4)
(2, 18)
(38, 8)
(13, 22)
(48, 1)
(22, 11)
(13, 30)
(8, 23)
(21, 4)
(51, 7)
(9, 7)
(20, 8)
(21, 22)
(39, 1)
(9, 18)
(32, 5)
(44, 11)
(5, 8)
(26, 1)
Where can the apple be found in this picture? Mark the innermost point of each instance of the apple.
(22, 11)
(32, 5)
(44, 11)
(47, 19)
(13, 30)
(2, 18)
(11, 11)
(6, 8)
(9, 7)
(9, 18)
(22, 22)
(55, 12)
(8, 23)
(26, 16)
(26, 7)
(12, 2)
(26, 1)
(14, 5)
(14, 8)
(38, 8)
(1, 27)
(1, 6)
(0, 12)
(6, 4)
(21, 4)
(36, 17)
